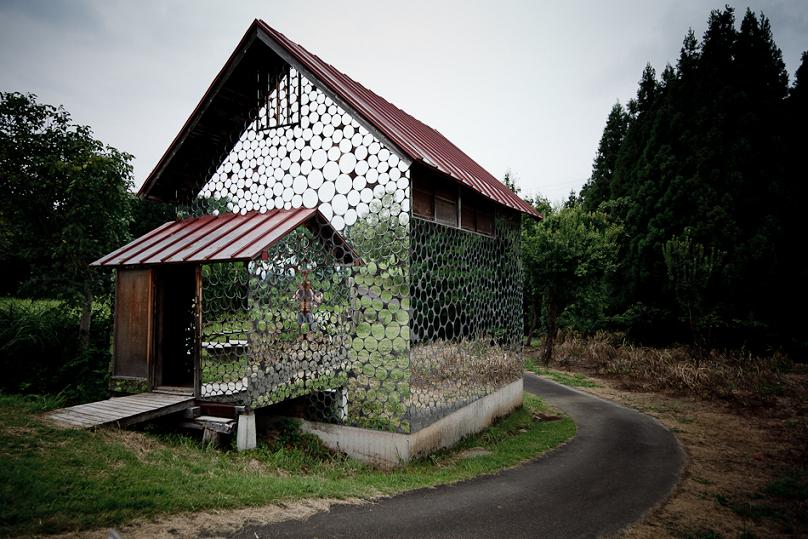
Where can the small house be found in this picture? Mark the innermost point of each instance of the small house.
(333, 249)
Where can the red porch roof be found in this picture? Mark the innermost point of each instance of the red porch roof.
(227, 237)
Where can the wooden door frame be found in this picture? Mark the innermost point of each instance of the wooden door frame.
(155, 361)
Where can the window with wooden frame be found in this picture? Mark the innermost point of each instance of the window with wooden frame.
(444, 202)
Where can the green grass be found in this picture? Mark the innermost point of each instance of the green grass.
(572, 379)
(54, 480)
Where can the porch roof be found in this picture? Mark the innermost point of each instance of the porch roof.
(216, 238)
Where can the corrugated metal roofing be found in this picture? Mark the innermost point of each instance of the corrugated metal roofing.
(210, 238)
(416, 139)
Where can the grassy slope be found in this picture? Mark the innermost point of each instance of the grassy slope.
(55, 480)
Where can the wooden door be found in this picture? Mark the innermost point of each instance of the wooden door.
(133, 323)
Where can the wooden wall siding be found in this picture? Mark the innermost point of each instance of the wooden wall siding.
(442, 201)
(133, 323)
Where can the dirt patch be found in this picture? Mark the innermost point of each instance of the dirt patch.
(473, 452)
(733, 454)
(215, 524)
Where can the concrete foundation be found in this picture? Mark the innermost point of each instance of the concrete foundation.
(388, 449)
(245, 433)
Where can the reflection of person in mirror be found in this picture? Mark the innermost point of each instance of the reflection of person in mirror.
(307, 299)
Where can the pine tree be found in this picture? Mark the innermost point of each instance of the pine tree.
(598, 188)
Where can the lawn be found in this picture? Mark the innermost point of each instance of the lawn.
(54, 480)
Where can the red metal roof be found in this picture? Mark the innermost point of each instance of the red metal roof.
(210, 238)
(416, 139)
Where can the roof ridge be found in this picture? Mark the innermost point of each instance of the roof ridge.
(480, 180)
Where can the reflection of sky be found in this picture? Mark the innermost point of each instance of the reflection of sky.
(519, 85)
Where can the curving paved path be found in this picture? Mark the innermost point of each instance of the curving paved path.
(619, 465)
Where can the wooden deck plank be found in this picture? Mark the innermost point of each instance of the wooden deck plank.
(121, 411)
(89, 414)
(76, 419)
(113, 409)
(70, 417)
(157, 397)
(105, 409)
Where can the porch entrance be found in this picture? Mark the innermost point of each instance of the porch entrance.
(177, 294)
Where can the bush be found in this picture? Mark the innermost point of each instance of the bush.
(39, 350)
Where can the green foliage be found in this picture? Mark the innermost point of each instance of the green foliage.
(65, 204)
(567, 256)
(56, 480)
(40, 353)
(712, 147)
(690, 269)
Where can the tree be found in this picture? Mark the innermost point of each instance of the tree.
(690, 269)
(706, 149)
(598, 188)
(67, 203)
(566, 257)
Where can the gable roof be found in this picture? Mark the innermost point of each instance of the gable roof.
(412, 138)
(220, 238)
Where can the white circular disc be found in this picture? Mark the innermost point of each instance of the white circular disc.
(353, 198)
(347, 163)
(326, 192)
(300, 184)
(359, 183)
(319, 159)
(326, 210)
(331, 171)
(340, 204)
(338, 222)
(343, 184)
(310, 198)
(350, 217)
(315, 179)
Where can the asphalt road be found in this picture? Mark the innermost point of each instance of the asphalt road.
(619, 465)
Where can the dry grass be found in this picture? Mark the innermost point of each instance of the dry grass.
(736, 377)
(742, 420)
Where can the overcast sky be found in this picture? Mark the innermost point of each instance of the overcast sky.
(524, 86)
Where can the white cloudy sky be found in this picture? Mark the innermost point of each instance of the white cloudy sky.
(523, 85)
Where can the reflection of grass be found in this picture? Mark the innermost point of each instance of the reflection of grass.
(54, 480)
(572, 379)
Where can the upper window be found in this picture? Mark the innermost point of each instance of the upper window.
(281, 98)
(444, 202)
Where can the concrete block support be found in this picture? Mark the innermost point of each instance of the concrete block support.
(245, 433)
(388, 449)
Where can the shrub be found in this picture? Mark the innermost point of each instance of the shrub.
(39, 350)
